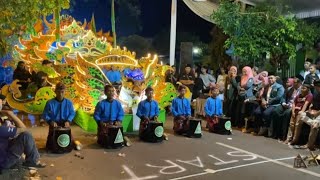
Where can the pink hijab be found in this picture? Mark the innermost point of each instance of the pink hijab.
(244, 79)
(261, 77)
(232, 68)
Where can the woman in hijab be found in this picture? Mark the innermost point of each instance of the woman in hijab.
(231, 93)
(245, 91)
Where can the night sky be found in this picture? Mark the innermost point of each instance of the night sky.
(155, 16)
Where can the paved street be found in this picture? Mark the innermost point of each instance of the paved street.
(238, 156)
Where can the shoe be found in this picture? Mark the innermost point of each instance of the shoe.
(165, 137)
(34, 165)
(263, 131)
(127, 141)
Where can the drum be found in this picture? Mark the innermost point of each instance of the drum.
(113, 137)
(194, 128)
(223, 126)
(153, 133)
(62, 142)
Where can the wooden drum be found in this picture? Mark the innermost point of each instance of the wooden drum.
(194, 129)
(114, 137)
(62, 142)
(223, 126)
(153, 133)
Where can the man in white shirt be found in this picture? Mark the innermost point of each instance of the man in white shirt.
(206, 78)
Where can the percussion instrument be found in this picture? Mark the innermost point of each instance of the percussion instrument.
(111, 137)
(194, 129)
(61, 140)
(153, 133)
(223, 126)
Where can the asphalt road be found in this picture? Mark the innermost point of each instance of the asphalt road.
(238, 156)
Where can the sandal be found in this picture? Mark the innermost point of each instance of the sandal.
(35, 165)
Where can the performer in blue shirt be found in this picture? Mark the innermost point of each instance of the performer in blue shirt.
(148, 110)
(107, 113)
(58, 112)
(15, 141)
(114, 75)
(213, 108)
(181, 111)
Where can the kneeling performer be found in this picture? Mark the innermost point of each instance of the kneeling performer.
(109, 114)
(213, 108)
(151, 129)
(59, 113)
(181, 110)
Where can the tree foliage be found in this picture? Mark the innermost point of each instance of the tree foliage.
(217, 50)
(17, 15)
(263, 29)
(140, 45)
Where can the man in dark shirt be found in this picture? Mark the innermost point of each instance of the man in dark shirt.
(23, 75)
(171, 75)
(188, 78)
(15, 141)
(311, 118)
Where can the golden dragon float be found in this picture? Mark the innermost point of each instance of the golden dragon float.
(79, 59)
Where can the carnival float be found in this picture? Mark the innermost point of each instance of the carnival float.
(79, 55)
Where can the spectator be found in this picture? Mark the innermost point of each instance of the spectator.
(171, 75)
(271, 98)
(187, 78)
(231, 93)
(15, 141)
(207, 79)
(23, 75)
(311, 118)
(245, 91)
(311, 77)
(281, 114)
(305, 72)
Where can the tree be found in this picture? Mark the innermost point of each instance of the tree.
(140, 45)
(263, 29)
(217, 50)
(128, 16)
(18, 15)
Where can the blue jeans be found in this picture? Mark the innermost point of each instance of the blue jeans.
(24, 143)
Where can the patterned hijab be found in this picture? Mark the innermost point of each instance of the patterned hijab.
(245, 78)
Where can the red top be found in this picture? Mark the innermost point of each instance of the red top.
(300, 101)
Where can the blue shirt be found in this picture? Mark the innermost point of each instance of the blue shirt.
(58, 111)
(5, 134)
(108, 111)
(148, 109)
(213, 106)
(181, 107)
(113, 76)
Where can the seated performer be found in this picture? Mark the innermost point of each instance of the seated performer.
(181, 110)
(148, 110)
(58, 112)
(311, 118)
(107, 113)
(15, 141)
(213, 108)
(114, 75)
